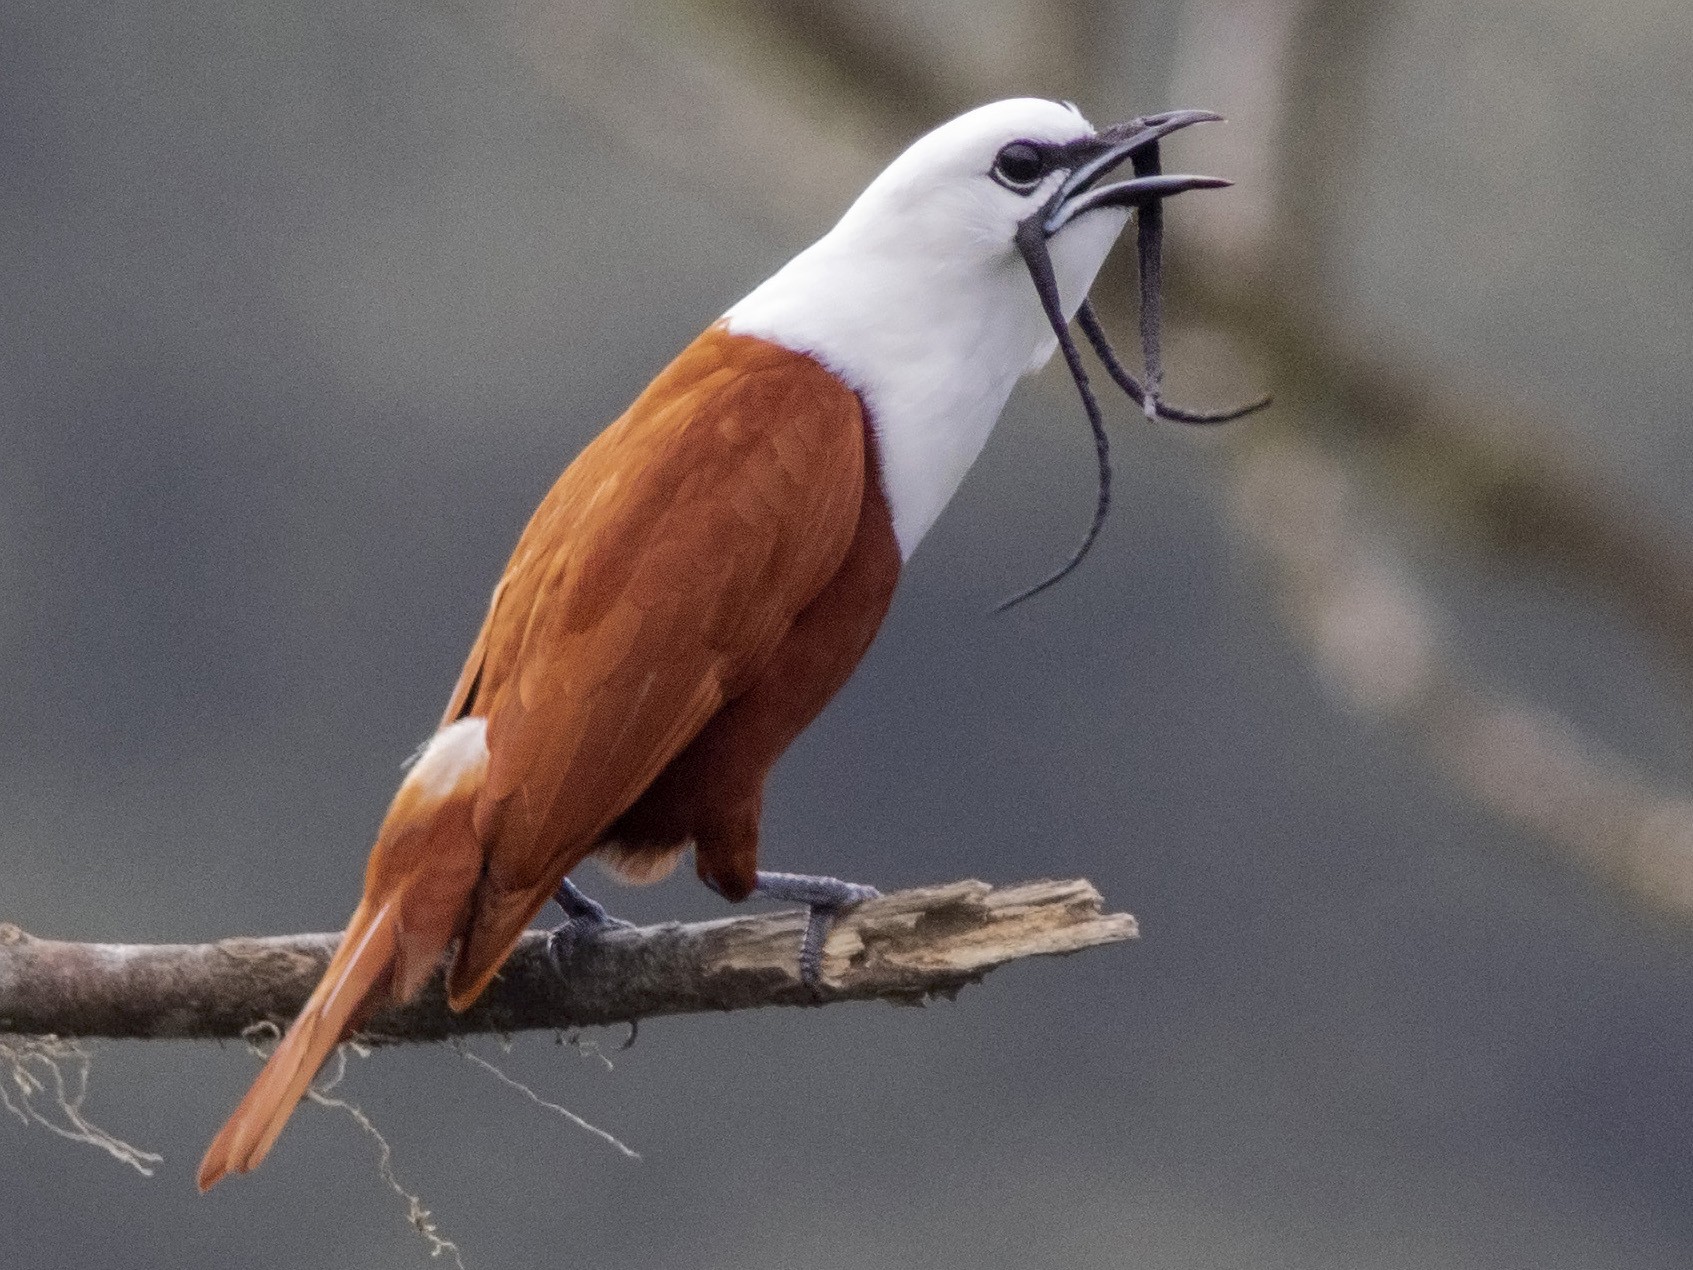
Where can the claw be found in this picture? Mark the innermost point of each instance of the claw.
(826, 898)
(584, 918)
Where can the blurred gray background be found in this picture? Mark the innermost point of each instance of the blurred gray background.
(305, 307)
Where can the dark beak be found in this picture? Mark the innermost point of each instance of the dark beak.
(1101, 153)
(1090, 160)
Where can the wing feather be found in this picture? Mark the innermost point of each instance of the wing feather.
(651, 586)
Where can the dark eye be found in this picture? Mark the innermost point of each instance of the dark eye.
(1019, 165)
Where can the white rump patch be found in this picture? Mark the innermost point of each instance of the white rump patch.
(457, 751)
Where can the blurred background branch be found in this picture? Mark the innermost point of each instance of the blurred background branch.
(312, 302)
(785, 109)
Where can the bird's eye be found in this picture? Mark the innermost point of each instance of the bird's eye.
(1019, 165)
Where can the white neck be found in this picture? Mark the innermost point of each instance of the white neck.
(933, 341)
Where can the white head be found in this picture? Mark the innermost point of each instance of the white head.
(919, 298)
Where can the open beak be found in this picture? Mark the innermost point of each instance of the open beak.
(1091, 161)
(1081, 191)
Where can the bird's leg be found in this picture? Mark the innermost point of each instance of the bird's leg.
(825, 897)
(584, 917)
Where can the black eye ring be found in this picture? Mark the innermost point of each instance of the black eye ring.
(1020, 166)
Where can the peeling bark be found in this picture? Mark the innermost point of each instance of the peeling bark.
(905, 947)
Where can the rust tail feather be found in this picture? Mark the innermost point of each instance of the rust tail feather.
(418, 890)
(359, 971)
(499, 922)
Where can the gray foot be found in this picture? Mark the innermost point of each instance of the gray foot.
(584, 918)
(825, 897)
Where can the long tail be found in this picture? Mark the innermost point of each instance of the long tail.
(359, 972)
(418, 888)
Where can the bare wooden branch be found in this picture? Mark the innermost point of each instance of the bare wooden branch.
(904, 947)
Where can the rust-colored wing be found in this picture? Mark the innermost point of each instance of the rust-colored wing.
(649, 588)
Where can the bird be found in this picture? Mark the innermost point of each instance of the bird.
(706, 574)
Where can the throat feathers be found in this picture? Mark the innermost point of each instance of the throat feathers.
(708, 572)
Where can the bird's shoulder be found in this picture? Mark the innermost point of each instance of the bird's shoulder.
(707, 514)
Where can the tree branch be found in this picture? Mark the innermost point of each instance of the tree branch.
(904, 947)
